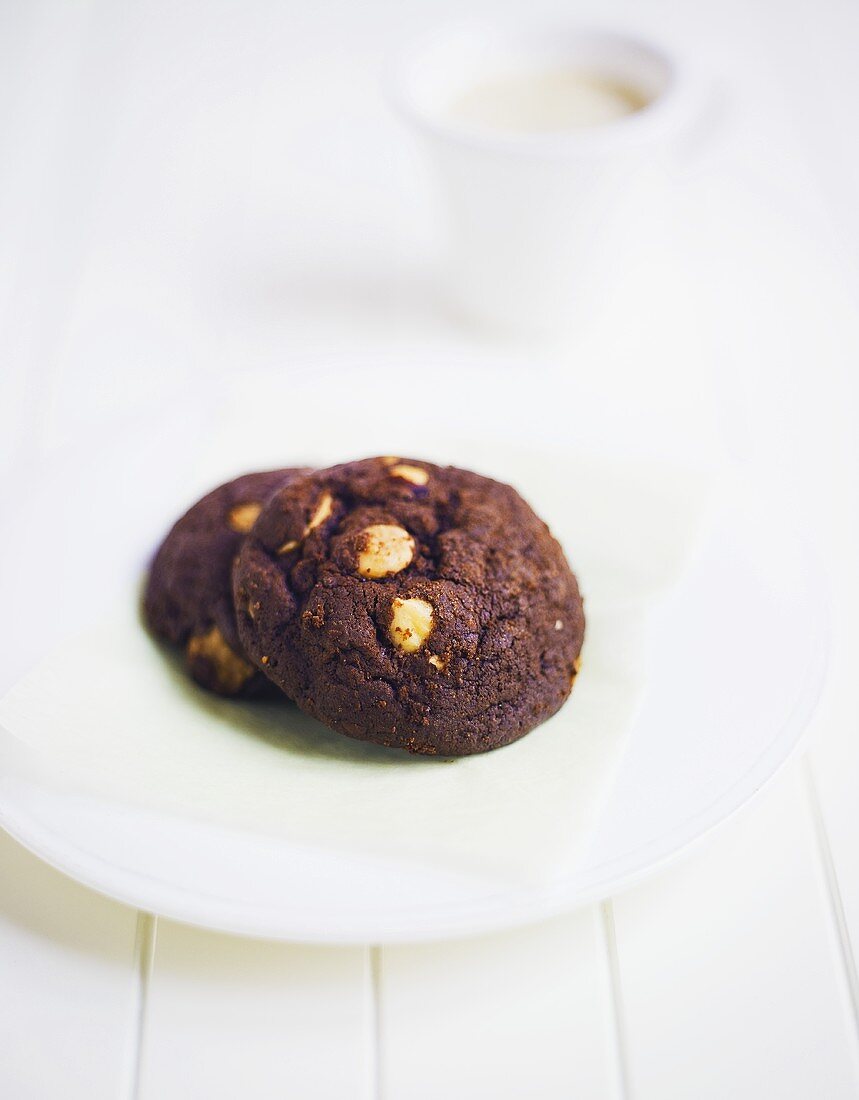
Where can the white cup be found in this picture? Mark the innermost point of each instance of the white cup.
(532, 217)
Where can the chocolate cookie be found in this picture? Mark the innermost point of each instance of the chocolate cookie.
(188, 597)
(408, 604)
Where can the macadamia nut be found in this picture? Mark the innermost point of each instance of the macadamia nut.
(412, 623)
(415, 474)
(323, 509)
(243, 516)
(231, 670)
(320, 514)
(384, 549)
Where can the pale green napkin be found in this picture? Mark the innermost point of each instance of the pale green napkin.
(112, 718)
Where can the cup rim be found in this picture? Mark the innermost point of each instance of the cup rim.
(662, 116)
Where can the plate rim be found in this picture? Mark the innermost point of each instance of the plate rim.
(479, 914)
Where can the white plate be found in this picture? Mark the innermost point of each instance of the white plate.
(735, 665)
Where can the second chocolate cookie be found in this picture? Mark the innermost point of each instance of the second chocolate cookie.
(188, 597)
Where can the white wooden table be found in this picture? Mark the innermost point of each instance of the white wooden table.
(188, 189)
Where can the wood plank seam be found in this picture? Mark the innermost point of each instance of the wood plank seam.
(145, 936)
(833, 890)
(375, 1090)
(618, 1013)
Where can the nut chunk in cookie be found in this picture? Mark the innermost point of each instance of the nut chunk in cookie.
(411, 605)
(188, 598)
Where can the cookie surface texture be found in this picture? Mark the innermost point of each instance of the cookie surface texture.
(411, 605)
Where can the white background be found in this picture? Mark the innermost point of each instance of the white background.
(188, 189)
